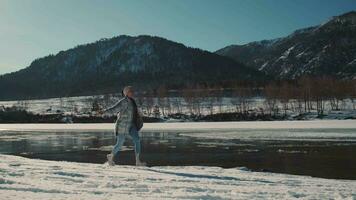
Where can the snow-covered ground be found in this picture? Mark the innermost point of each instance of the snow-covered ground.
(22, 178)
(83, 104)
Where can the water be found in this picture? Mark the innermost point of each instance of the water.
(319, 153)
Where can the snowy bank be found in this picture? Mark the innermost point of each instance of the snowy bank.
(22, 178)
(193, 126)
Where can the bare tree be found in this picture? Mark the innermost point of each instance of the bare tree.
(162, 94)
(271, 98)
(176, 104)
(199, 95)
(61, 103)
(22, 105)
(353, 93)
(148, 103)
(210, 100)
(320, 94)
(188, 96)
(96, 105)
(241, 99)
(219, 99)
(306, 84)
(297, 102)
(284, 96)
(107, 100)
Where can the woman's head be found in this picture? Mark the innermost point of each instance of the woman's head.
(128, 91)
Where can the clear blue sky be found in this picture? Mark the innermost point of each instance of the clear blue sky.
(34, 28)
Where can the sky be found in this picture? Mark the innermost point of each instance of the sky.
(31, 29)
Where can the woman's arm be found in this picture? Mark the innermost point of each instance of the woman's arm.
(116, 105)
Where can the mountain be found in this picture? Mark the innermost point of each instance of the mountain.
(109, 64)
(325, 50)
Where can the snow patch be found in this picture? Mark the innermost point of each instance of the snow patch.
(263, 66)
(285, 54)
(352, 62)
(39, 179)
(300, 54)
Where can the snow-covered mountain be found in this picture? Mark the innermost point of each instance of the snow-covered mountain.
(108, 64)
(328, 49)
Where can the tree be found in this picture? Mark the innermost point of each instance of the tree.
(219, 99)
(285, 95)
(241, 97)
(96, 105)
(61, 103)
(188, 95)
(353, 93)
(22, 105)
(148, 103)
(198, 99)
(107, 100)
(306, 84)
(162, 94)
(156, 112)
(319, 91)
(297, 102)
(271, 92)
(176, 104)
(210, 100)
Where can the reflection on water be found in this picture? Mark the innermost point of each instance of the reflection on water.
(329, 159)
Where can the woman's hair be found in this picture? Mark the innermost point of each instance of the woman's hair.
(126, 90)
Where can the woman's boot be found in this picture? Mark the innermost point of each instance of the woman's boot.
(138, 161)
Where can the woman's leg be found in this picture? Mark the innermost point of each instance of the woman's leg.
(137, 142)
(120, 139)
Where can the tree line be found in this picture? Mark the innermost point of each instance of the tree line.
(301, 96)
(277, 98)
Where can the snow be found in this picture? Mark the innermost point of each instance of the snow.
(352, 62)
(22, 178)
(192, 126)
(300, 54)
(285, 54)
(263, 66)
(264, 43)
(302, 31)
(83, 105)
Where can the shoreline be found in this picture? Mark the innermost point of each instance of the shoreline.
(189, 126)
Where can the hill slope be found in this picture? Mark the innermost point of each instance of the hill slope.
(107, 65)
(328, 49)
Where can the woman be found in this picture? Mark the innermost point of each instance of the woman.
(129, 122)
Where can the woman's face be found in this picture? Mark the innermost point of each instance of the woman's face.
(130, 93)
